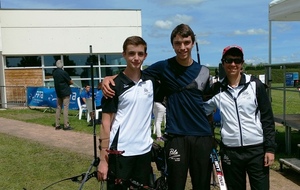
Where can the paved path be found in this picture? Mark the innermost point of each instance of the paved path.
(74, 141)
(83, 143)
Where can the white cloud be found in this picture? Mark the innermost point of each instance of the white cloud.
(251, 32)
(288, 58)
(167, 24)
(173, 21)
(282, 26)
(295, 56)
(180, 18)
(255, 60)
(203, 42)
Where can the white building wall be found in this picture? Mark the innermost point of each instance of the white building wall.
(26, 32)
(34, 32)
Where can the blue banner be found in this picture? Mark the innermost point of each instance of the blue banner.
(46, 97)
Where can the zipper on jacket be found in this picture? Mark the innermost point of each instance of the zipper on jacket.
(238, 117)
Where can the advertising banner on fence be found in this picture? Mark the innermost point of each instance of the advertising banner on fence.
(46, 97)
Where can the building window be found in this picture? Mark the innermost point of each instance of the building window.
(23, 61)
(112, 64)
(112, 59)
(48, 73)
(80, 60)
(77, 66)
(50, 60)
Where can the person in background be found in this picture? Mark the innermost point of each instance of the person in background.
(189, 141)
(98, 98)
(85, 94)
(62, 82)
(247, 124)
(159, 111)
(125, 133)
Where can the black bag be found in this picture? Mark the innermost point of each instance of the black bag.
(158, 156)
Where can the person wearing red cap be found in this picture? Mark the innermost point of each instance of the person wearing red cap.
(247, 124)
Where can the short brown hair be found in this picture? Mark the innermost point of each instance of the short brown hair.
(183, 30)
(134, 40)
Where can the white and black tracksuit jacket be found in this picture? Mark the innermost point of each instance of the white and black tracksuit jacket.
(246, 113)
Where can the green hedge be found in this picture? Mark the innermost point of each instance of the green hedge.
(277, 73)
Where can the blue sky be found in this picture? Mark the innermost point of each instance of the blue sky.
(216, 23)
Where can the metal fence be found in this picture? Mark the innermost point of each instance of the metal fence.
(12, 96)
(285, 96)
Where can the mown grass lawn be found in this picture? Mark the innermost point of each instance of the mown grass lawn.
(30, 165)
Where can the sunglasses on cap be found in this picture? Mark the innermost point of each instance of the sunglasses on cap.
(236, 61)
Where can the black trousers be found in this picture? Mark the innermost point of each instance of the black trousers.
(237, 162)
(189, 153)
(122, 169)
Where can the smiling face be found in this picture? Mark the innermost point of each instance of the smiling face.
(232, 60)
(182, 47)
(232, 65)
(182, 40)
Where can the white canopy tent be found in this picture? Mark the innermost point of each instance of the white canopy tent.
(282, 10)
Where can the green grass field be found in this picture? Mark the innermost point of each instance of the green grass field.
(30, 165)
(291, 96)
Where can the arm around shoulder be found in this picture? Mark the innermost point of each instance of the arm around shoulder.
(106, 89)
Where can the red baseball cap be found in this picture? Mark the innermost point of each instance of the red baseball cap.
(235, 49)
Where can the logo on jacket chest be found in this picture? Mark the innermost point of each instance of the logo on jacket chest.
(245, 96)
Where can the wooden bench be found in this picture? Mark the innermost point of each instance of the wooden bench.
(292, 163)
